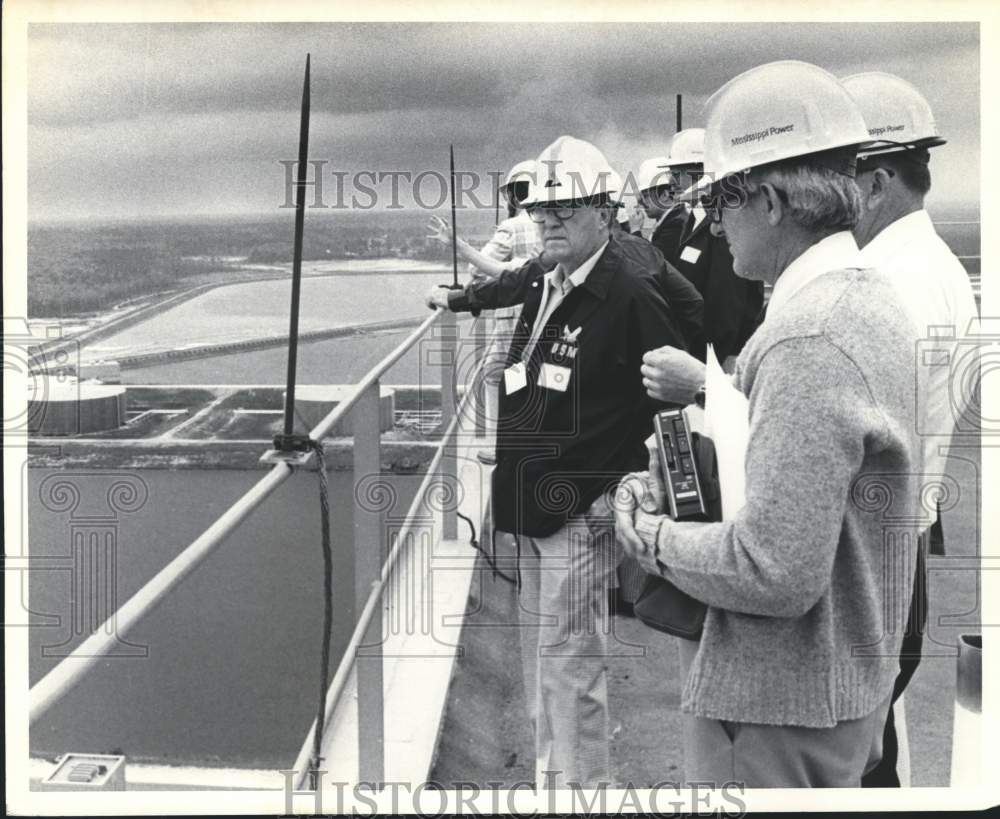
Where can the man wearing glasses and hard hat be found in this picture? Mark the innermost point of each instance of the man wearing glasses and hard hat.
(573, 417)
(732, 304)
(657, 186)
(807, 584)
(897, 237)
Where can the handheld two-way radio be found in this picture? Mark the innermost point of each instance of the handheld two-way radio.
(684, 495)
(660, 604)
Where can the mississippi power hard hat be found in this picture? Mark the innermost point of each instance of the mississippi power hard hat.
(897, 115)
(653, 173)
(778, 111)
(688, 147)
(571, 169)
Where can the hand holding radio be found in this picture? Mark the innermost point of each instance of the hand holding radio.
(676, 457)
(656, 489)
(669, 374)
(632, 494)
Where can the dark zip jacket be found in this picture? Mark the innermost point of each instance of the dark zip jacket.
(557, 450)
(732, 305)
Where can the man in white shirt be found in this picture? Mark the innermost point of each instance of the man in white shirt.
(897, 237)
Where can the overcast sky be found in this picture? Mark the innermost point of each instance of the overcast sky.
(148, 120)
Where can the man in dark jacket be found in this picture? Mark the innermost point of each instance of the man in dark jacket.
(573, 418)
(732, 304)
(657, 189)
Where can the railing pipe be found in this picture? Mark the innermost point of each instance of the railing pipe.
(301, 766)
(60, 679)
(322, 429)
(364, 622)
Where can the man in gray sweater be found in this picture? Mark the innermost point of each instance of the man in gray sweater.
(807, 585)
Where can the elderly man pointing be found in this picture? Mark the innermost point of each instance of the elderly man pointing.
(807, 584)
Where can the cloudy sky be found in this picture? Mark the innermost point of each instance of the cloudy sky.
(173, 119)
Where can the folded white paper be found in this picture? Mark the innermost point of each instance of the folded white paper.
(727, 423)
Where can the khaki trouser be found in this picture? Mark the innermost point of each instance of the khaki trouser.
(564, 628)
(779, 756)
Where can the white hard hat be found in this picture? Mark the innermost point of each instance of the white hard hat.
(521, 172)
(654, 172)
(778, 111)
(896, 113)
(688, 147)
(571, 169)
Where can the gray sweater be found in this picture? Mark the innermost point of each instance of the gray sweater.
(808, 586)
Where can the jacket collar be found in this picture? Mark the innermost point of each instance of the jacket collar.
(598, 281)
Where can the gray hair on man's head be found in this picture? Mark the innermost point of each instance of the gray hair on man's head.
(817, 198)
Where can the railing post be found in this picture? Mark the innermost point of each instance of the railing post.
(369, 552)
(482, 329)
(449, 461)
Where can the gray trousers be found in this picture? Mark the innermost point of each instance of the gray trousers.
(779, 756)
(564, 628)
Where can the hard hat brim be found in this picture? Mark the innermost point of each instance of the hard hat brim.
(609, 200)
(879, 147)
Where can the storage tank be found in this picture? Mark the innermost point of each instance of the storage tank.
(67, 406)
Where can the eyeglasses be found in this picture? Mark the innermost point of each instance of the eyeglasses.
(537, 213)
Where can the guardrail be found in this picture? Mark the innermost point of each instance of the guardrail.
(371, 573)
(60, 679)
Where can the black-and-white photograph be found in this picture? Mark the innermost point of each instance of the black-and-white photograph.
(494, 416)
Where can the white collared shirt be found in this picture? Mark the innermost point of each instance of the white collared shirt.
(931, 281)
(935, 290)
(557, 285)
(699, 214)
(835, 252)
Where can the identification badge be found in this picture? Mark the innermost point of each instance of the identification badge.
(515, 378)
(690, 254)
(553, 377)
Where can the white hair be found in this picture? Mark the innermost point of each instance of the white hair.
(817, 198)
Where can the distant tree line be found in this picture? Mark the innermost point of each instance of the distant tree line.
(81, 268)
(101, 278)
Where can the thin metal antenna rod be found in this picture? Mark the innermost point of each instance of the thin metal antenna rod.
(300, 212)
(496, 212)
(454, 226)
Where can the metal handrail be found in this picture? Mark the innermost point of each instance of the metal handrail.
(336, 689)
(47, 691)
